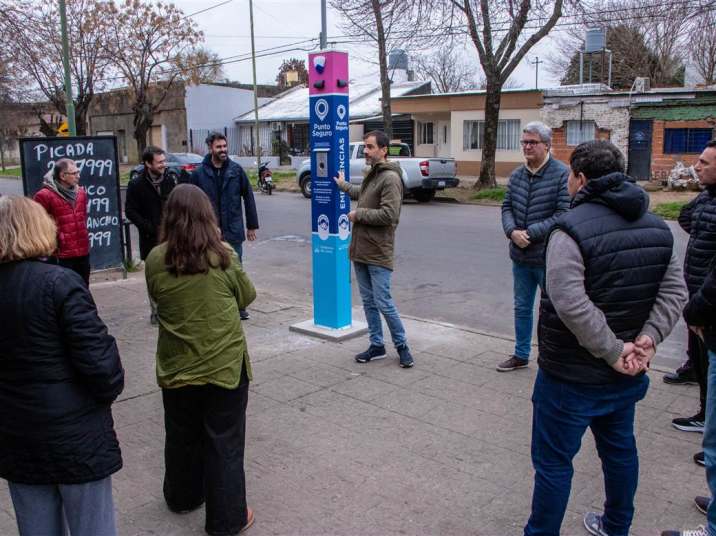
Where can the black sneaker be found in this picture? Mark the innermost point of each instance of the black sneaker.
(373, 352)
(406, 360)
(513, 363)
(699, 459)
(689, 424)
(702, 503)
(593, 524)
(684, 375)
(244, 314)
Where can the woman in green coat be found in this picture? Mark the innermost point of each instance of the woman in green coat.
(203, 365)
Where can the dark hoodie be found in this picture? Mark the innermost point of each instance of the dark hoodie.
(608, 260)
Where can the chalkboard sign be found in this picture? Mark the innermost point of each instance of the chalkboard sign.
(96, 158)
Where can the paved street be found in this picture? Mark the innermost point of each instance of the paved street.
(452, 263)
(335, 448)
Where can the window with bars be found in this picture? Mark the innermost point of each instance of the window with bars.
(425, 133)
(686, 140)
(508, 135)
(580, 131)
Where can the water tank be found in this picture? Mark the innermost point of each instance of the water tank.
(398, 59)
(595, 40)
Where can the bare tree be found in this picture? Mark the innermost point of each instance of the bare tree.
(703, 47)
(503, 31)
(389, 24)
(33, 41)
(447, 70)
(149, 45)
(200, 66)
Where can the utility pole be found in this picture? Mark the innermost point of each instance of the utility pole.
(69, 103)
(536, 63)
(256, 99)
(324, 36)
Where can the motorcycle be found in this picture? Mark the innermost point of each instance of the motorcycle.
(265, 180)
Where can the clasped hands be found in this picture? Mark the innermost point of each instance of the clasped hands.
(635, 356)
(520, 238)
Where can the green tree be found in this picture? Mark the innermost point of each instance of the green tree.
(292, 65)
(631, 58)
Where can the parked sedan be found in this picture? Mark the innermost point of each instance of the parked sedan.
(179, 165)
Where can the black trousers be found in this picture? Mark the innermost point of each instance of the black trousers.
(204, 453)
(81, 265)
(698, 355)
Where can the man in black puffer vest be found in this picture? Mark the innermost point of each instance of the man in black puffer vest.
(614, 290)
(698, 218)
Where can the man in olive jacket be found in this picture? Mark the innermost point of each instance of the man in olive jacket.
(375, 219)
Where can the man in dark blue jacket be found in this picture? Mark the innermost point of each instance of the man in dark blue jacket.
(226, 183)
(536, 196)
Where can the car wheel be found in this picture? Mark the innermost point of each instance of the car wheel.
(424, 196)
(306, 185)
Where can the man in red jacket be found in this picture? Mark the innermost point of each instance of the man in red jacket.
(66, 202)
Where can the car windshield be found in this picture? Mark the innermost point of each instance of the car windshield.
(399, 149)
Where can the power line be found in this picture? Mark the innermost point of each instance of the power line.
(207, 9)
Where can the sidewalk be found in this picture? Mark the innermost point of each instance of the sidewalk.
(338, 448)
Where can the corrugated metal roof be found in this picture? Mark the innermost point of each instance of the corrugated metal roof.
(364, 101)
(692, 112)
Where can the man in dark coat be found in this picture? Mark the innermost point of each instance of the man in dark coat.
(146, 195)
(536, 196)
(700, 315)
(613, 291)
(698, 218)
(226, 184)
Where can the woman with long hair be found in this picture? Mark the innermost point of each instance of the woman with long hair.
(59, 374)
(203, 365)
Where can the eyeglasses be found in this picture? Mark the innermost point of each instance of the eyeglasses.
(71, 172)
(531, 143)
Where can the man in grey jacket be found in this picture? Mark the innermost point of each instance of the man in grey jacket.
(536, 196)
(613, 291)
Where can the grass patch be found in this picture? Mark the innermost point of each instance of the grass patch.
(278, 177)
(124, 178)
(491, 194)
(11, 172)
(669, 211)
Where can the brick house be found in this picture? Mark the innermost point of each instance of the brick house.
(654, 128)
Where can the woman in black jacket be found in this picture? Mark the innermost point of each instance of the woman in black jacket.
(59, 373)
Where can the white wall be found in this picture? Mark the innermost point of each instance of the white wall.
(215, 107)
(456, 128)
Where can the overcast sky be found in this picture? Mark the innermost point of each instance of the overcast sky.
(282, 22)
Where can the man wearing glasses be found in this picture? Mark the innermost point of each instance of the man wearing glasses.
(536, 196)
(66, 202)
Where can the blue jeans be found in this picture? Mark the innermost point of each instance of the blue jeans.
(561, 414)
(525, 278)
(374, 285)
(238, 248)
(710, 441)
(62, 509)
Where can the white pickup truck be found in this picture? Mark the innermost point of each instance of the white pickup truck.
(422, 177)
